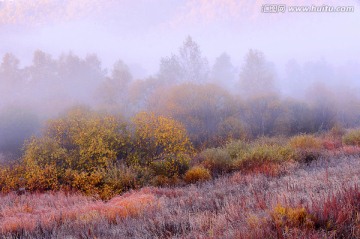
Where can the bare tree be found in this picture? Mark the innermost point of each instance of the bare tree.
(257, 75)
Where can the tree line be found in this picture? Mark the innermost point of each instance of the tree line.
(214, 103)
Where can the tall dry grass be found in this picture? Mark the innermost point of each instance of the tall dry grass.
(325, 192)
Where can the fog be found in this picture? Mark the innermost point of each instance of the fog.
(126, 56)
(141, 32)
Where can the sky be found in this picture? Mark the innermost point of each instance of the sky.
(141, 32)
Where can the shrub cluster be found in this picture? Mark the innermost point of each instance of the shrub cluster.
(288, 217)
(305, 142)
(197, 174)
(260, 154)
(240, 155)
(100, 154)
(352, 137)
(217, 160)
(336, 213)
(307, 147)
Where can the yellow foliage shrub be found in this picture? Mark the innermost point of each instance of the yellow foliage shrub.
(161, 180)
(10, 178)
(91, 140)
(305, 142)
(96, 154)
(160, 143)
(86, 182)
(308, 147)
(197, 174)
(287, 217)
(352, 138)
(77, 152)
(41, 177)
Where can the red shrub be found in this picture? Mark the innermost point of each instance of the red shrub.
(339, 213)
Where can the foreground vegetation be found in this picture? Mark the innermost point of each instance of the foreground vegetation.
(104, 155)
(316, 200)
(70, 179)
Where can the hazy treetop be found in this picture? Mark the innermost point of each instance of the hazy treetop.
(141, 32)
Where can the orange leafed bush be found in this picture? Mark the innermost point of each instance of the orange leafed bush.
(197, 174)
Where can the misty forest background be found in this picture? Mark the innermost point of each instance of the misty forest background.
(215, 102)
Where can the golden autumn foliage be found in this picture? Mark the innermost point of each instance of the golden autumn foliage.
(352, 138)
(197, 174)
(161, 144)
(305, 142)
(159, 135)
(76, 151)
(288, 217)
(10, 178)
(100, 154)
(91, 140)
(307, 147)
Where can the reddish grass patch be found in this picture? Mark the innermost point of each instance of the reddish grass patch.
(339, 212)
(351, 150)
(27, 212)
(268, 169)
(331, 144)
(131, 205)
